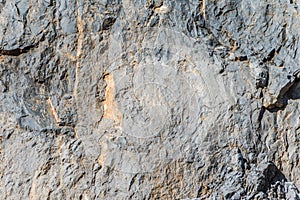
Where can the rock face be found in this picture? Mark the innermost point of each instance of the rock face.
(149, 99)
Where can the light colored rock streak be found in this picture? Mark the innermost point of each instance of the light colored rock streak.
(110, 108)
(79, 45)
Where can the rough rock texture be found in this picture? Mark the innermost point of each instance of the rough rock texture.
(149, 99)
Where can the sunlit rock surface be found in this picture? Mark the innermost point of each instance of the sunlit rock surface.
(149, 99)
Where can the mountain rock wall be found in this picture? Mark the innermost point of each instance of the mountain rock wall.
(149, 99)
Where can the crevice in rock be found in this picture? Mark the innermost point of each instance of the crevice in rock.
(17, 52)
(261, 113)
(241, 58)
(270, 56)
(108, 23)
(289, 91)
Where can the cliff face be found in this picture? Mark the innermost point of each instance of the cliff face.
(149, 99)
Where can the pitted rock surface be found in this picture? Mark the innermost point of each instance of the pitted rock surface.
(149, 99)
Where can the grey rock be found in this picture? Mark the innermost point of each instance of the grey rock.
(149, 99)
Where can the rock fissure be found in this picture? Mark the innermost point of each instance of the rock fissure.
(18, 51)
(289, 91)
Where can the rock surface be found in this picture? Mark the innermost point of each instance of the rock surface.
(149, 99)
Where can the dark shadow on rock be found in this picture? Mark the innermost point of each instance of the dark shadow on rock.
(272, 174)
(294, 92)
(291, 93)
(261, 113)
(264, 179)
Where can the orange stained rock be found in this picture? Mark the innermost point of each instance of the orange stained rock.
(110, 108)
(53, 111)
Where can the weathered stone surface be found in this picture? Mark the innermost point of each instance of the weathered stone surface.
(149, 99)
